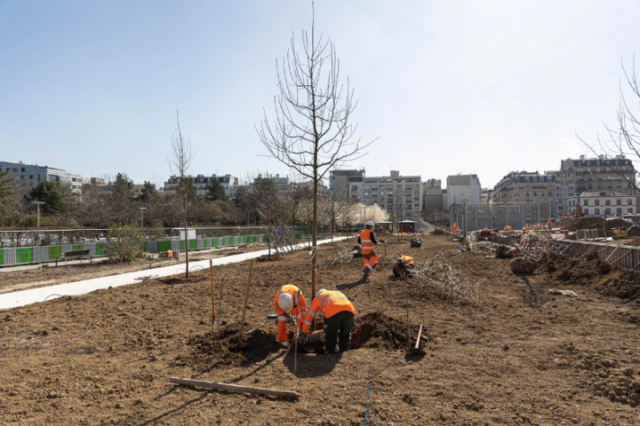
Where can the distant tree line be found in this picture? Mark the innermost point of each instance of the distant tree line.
(119, 204)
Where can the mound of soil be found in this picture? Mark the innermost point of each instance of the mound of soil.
(439, 232)
(377, 330)
(581, 223)
(205, 348)
(593, 272)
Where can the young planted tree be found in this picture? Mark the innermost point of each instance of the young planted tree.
(312, 131)
(623, 141)
(180, 163)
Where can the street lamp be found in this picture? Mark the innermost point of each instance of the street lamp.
(142, 209)
(38, 203)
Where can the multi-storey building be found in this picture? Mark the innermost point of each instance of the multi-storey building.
(529, 188)
(432, 195)
(346, 184)
(201, 184)
(604, 203)
(601, 174)
(400, 196)
(463, 188)
(26, 177)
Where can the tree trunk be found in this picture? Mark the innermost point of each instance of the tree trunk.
(186, 236)
(314, 235)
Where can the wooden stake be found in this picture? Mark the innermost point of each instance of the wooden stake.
(295, 353)
(246, 298)
(235, 388)
(419, 335)
(213, 305)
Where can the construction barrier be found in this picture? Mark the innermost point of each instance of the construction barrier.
(625, 256)
(23, 255)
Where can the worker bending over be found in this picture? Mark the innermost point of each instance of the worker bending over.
(367, 241)
(339, 319)
(289, 302)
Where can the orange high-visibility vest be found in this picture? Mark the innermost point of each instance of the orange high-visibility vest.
(365, 241)
(329, 302)
(408, 260)
(298, 312)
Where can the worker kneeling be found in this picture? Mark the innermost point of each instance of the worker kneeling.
(404, 267)
(289, 304)
(339, 319)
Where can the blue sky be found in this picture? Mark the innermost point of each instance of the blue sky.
(448, 86)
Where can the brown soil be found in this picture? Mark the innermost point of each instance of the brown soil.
(39, 276)
(511, 359)
(599, 223)
(593, 272)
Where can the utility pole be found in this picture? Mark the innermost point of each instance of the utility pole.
(38, 203)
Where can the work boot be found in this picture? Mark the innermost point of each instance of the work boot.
(365, 277)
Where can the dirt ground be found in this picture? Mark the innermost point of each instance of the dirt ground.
(520, 356)
(50, 274)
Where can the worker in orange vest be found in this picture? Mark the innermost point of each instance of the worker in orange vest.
(367, 241)
(288, 304)
(339, 319)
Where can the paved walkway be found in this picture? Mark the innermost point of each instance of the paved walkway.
(41, 294)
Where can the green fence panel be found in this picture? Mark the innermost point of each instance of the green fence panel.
(76, 247)
(24, 255)
(193, 244)
(214, 242)
(205, 243)
(181, 245)
(164, 246)
(1, 257)
(55, 252)
(99, 249)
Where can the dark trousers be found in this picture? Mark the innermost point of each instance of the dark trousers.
(339, 325)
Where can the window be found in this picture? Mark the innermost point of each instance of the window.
(607, 211)
(618, 202)
(607, 202)
(597, 202)
(597, 211)
(629, 202)
(586, 202)
(22, 170)
(618, 211)
(586, 212)
(629, 210)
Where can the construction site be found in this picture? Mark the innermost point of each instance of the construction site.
(460, 340)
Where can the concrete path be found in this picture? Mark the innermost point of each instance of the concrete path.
(41, 294)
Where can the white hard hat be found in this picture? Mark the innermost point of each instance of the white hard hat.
(320, 291)
(370, 223)
(285, 302)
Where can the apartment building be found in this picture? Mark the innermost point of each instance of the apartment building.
(432, 195)
(25, 177)
(463, 188)
(604, 203)
(346, 184)
(526, 187)
(201, 184)
(400, 196)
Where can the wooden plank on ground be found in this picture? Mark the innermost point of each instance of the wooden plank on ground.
(235, 388)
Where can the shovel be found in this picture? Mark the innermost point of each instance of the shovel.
(416, 350)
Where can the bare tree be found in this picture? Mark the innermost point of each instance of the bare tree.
(179, 164)
(312, 131)
(623, 140)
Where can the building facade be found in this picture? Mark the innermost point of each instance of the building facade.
(201, 183)
(463, 188)
(346, 184)
(432, 195)
(604, 204)
(400, 196)
(25, 177)
(526, 187)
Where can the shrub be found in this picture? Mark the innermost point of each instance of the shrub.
(123, 244)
